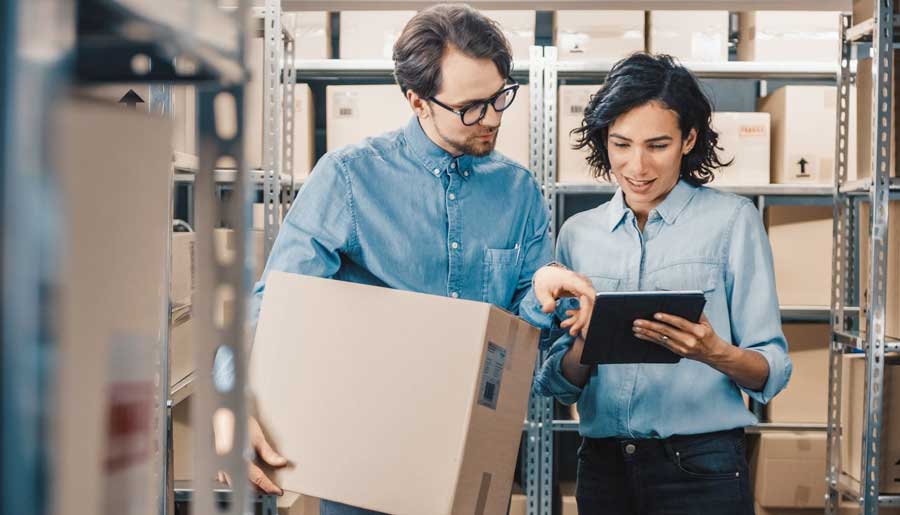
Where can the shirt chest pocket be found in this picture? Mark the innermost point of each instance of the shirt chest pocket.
(501, 275)
(702, 277)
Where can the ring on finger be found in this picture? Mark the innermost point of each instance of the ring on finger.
(664, 338)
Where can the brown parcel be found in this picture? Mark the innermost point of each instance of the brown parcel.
(453, 376)
(865, 9)
(803, 134)
(789, 470)
(110, 301)
(854, 374)
(803, 401)
(892, 292)
(864, 120)
(801, 239)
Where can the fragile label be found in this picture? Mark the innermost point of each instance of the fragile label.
(491, 375)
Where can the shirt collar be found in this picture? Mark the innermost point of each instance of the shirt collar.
(668, 209)
(433, 158)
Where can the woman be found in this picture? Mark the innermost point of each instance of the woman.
(667, 439)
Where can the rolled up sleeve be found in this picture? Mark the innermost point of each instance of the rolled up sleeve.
(754, 309)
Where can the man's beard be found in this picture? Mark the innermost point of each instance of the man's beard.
(473, 145)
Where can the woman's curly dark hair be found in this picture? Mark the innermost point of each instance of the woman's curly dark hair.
(642, 78)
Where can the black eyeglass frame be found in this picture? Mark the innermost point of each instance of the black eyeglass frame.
(514, 87)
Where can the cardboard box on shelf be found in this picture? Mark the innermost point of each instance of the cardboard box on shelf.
(789, 36)
(603, 35)
(181, 348)
(865, 9)
(371, 34)
(892, 292)
(572, 166)
(225, 245)
(569, 505)
(182, 283)
(864, 120)
(111, 168)
(801, 239)
(354, 113)
(803, 400)
(137, 96)
(803, 134)
(513, 135)
(182, 441)
(312, 35)
(853, 414)
(457, 398)
(788, 469)
(254, 100)
(689, 35)
(518, 27)
(744, 139)
(518, 501)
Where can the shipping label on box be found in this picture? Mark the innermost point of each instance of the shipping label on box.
(744, 139)
(455, 377)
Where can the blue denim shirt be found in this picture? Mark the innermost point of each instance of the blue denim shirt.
(698, 238)
(398, 211)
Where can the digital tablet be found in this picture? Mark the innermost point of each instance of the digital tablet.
(611, 340)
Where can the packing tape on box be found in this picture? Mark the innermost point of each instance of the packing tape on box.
(511, 339)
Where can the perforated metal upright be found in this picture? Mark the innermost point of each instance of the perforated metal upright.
(845, 329)
(273, 98)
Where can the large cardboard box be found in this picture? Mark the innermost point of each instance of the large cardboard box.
(788, 469)
(353, 113)
(789, 36)
(137, 96)
(892, 292)
(864, 120)
(604, 35)
(111, 164)
(371, 34)
(518, 27)
(689, 35)
(801, 239)
(454, 376)
(744, 139)
(312, 35)
(805, 399)
(571, 165)
(803, 134)
(853, 414)
(865, 9)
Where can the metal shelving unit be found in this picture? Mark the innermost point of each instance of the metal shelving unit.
(844, 290)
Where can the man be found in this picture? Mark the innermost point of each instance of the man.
(429, 207)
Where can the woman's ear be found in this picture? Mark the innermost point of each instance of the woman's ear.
(689, 142)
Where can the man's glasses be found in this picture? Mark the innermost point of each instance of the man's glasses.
(476, 111)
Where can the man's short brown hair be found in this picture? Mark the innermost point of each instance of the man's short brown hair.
(419, 50)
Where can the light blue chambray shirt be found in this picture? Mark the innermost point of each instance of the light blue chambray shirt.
(398, 211)
(698, 238)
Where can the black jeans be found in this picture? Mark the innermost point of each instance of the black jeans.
(703, 474)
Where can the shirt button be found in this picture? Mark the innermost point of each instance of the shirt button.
(452, 196)
(454, 295)
(454, 245)
(436, 171)
(453, 164)
(630, 448)
(466, 173)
